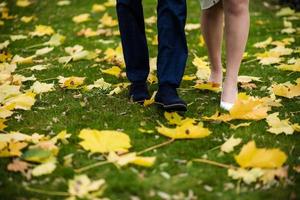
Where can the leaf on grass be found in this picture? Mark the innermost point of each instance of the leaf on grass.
(81, 186)
(21, 60)
(189, 77)
(71, 82)
(185, 131)
(63, 2)
(150, 101)
(290, 67)
(38, 155)
(4, 44)
(22, 101)
(23, 3)
(56, 40)
(264, 43)
(130, 158)
(43, 51)
(203, 69)
(18, 166)
(43, 169)
(251, 156)
(41, 30)
(98, 8)
(62, 136)
(2, 125)
(248, 79)
(39, 87)
(17, 37)
(229, 145)
(101, 84)
(81, 18)
(104, 141)
(232, 126)
(175, 119)
(76, 53)
(38, 67)
(115, 71)
(12, 149)
(107, 20)
(278, 126)
(248, 176)
(246, 108)
(287, 89)
(208, 86)
(286, 11)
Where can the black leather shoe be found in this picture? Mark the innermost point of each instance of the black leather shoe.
(138, 92)
(168, 98)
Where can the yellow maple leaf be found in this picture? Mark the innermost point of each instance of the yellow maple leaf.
(290, 67)
(41, 30)
(175, 119)
(286, 11)
(130, 158)
(6, 111)
(81, 18)
(189, 77)
(144, 161)
(251, 156)
(2, 125)
(43, 169)
(107, 20)
(23, 3)
(232, 126)
(150, 101)
(23, 101)
(115, 71)
(39, 87)
(246, 108)
(23, 60)
(203, 69)
(287, 89)
(264, 43)
(71, 82)
(229, 145)
(249, 108)
(27, 19)
(208, 86)
(98, 8)
(104, 141)
(278, 126)
(12, 148)
(115, 56)
(83, 188)
(185, 131)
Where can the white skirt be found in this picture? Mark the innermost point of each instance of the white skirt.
(205, 4)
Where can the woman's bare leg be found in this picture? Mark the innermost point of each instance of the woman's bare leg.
(237, 22)
(212, 30)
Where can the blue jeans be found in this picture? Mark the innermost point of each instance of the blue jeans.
(172, 46)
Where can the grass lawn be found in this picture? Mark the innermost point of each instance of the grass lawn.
(173, 173)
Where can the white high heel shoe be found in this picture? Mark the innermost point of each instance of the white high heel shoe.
(226, 105)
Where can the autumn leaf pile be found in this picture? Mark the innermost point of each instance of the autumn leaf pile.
(147, 140)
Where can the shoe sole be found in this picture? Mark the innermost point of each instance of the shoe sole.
(173, 107)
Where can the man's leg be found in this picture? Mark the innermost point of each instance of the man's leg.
(172, 47)
(172, 52)
(212, 30)
(132, 29)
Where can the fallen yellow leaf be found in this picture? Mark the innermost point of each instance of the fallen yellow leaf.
(251, 156)
(104, 141)
(185, 131)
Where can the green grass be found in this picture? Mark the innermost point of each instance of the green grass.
(104, 112)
